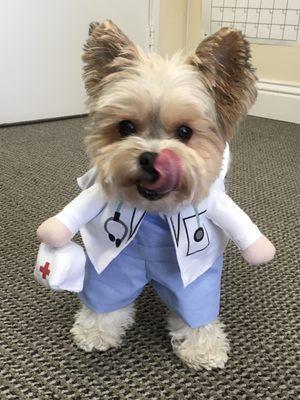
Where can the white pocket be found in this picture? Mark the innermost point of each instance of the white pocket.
(197, 236)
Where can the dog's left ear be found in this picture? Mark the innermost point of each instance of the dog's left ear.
(223, 59)
(106, 51)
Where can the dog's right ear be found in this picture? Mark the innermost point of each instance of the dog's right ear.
(106, 51)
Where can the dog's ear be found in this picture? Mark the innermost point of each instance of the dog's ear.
(224, 62)
(106, 51)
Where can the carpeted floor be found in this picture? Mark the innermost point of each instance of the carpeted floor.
(260, 305)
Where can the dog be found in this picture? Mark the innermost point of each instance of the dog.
(154, 207)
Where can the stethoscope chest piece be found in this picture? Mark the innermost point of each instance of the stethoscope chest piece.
(199, 234)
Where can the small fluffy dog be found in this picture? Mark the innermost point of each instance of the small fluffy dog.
(155, 209)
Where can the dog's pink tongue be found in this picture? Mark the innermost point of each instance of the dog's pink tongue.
(169, 167)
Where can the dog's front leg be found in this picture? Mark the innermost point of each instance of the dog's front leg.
(101, 331)
(204, 347)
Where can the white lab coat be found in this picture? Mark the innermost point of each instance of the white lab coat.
(200, 234)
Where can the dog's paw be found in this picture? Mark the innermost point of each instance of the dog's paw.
(203, 355)
(101, 331)
(93, 339)
(205, 347)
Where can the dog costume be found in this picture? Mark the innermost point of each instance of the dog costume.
(180, 254)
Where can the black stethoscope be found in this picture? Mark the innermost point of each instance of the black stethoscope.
(116, 219)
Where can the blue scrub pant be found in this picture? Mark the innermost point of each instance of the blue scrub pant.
(151, 257)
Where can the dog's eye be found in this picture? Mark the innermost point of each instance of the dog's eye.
(184, 133)
(126, 128)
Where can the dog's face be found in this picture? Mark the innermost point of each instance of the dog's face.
(159, 127)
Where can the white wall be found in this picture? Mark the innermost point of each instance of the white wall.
(40, 46)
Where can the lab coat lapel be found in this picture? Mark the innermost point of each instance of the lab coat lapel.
(188, 229)
(198, 242)
(110, 232)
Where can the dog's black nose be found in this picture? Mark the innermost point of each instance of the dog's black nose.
(146, 161)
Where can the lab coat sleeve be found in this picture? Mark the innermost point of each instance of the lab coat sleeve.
(226, 214)
(82, 209)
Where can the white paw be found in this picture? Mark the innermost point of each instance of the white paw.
(101, 331)
(205, 347)
(90, 339)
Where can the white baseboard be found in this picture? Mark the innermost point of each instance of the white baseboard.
(277, 101)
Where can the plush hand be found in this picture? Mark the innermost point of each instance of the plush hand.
(54, 233)
(259, 252)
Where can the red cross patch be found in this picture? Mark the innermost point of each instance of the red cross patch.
(45, 270)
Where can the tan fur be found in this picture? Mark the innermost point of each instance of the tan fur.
(106, 51)
(224, 62)
(208, 91)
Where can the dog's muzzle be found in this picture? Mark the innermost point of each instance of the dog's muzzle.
(163, 172)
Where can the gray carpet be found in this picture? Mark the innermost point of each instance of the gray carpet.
(260, 305)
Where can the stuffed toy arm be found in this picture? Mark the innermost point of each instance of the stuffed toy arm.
(255, 247)
(59, 230)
